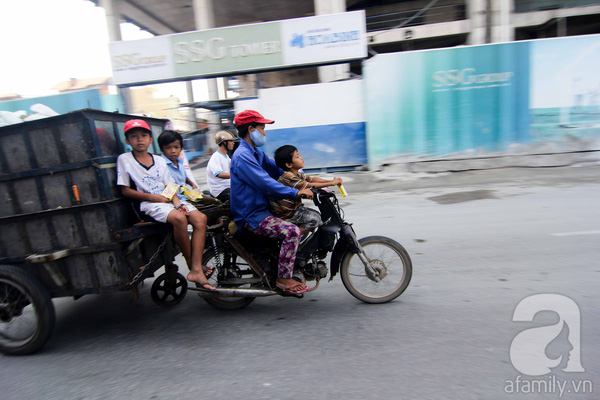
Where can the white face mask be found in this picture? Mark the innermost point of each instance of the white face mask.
(258, 138)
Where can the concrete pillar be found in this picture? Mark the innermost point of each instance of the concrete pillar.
(329, 6)
(502, 28)
(192, 120)
(113, 24)
(248, 85)
(113, 19)
(477, 11)
(561, 27)
(204, 18)
(204, 14)
(339, 71)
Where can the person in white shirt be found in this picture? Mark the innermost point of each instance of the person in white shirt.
(150, 175)
(217, 169)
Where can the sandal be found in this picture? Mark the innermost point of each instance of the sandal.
(290, 288)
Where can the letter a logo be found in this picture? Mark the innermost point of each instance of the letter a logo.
(528, 348)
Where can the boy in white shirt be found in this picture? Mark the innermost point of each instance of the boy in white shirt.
(217, 169)
(150, 175)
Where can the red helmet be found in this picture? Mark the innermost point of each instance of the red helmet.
(137, 123)
(247, 116)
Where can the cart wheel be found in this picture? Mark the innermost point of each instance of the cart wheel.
(169, 289)
(26, 312)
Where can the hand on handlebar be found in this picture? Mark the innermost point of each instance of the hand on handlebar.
(305, 194)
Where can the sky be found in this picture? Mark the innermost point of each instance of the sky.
(45, 42)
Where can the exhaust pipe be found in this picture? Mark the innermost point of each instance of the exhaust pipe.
(233, 292)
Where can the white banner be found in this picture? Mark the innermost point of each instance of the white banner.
(324, 38)
(319, 40)
(141, 60)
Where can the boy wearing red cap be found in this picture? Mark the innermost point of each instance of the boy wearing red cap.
(150, 175)
(253, 182)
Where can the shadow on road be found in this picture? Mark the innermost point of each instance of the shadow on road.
(113, 320)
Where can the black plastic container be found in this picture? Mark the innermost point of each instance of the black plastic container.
(62, 216)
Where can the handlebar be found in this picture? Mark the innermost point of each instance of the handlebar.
(323, 192)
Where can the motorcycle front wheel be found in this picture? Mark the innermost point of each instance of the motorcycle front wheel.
(392, 264)
(237, 268)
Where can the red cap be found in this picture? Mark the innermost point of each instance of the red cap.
(137, 123)
(247, 116)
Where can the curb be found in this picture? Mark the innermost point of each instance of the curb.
(539, 160)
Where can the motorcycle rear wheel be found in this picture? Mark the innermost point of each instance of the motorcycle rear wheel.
(386, 256)
(226, 303)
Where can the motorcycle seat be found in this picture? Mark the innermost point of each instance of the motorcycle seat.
(250, 239)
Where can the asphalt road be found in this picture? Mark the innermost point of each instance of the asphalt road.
(480, 243)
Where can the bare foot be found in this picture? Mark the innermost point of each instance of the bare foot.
(208, 271)
(200, 279)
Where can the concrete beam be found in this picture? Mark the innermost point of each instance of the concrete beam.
(419, 32)
(537, 18)
(144, 19)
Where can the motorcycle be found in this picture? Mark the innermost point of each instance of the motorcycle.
(374, 269)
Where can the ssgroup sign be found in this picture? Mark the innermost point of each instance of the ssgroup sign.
(446, 101)
(315, 40)
(482, 98)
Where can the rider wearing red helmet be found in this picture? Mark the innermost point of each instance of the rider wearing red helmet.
(253, 182)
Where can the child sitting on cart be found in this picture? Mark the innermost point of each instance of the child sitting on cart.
(171, 146)
(150, 174)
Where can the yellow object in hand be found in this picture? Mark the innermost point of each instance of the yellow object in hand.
(192, 194)
(342, 190)
(170, 190)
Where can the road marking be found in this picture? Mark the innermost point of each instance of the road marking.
(576, 233)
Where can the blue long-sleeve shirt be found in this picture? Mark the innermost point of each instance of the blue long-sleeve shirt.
(253, 182)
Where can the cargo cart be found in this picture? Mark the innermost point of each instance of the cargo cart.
(65, 229)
